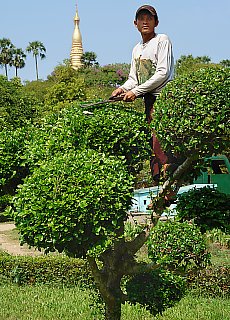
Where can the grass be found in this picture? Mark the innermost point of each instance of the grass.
(220, 255)
(47, 303)
(198, 308)
(53, 303)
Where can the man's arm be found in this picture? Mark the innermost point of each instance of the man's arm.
(130, 83)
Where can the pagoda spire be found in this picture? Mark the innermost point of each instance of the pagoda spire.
(77, 49)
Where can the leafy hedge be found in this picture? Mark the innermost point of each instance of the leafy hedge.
(17, 107)
(55, 270)
(12, 168)
(214, 281)
(177, 245)
(207, 207)
(115, 131)
(192, 113)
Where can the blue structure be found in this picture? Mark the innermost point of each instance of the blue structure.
(142, 197)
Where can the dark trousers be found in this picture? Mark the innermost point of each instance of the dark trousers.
(159, 156)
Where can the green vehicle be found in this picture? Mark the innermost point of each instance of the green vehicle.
(217, 173)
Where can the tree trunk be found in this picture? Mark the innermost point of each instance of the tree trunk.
(36, 65)
(113, 310)
(6, 71)
(117, 262)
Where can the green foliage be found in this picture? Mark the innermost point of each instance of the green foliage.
(213, 281)
(55, 270)
(117, 131)
(120, 132)
(89, 59)
(65, 85)
(157, 290)
(69, 91)
(73, 202)
(193, 121)
(207, 207)
(63, 72)
(225, 63)
(187, 64)
(16, 106)
(12, 168)
(178, 245)
(219, 237)
(38, 89)
(109, 75)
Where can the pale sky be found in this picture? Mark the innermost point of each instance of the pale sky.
(197, 27)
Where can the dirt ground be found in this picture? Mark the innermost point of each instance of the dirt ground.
(9, 241)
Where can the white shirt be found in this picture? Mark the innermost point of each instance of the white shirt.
(152, 66)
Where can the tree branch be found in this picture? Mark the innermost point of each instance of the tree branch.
(159, 203)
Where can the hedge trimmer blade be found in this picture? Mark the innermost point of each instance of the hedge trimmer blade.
(111, 99)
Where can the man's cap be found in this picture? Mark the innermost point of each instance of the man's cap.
(150, 9)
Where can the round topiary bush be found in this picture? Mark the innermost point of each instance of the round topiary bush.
(177, 245)
(74, 203)
(156, 290)
(207, 207)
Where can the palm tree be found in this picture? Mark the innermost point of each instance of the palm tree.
(225, 63)
(38, 49)
(6, 53)
(18, 60)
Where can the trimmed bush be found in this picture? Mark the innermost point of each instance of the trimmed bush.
(177, 245)
(114, 131)
(194, 117)
(12, 167)
(74, 203)
(16, 106)
(191, 116)
(44, 270)
(157, 290)
(207, 207)
(213, 281)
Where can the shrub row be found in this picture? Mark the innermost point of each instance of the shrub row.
(213, 281)
(55, 270)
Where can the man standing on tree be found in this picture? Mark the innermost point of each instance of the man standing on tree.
(151, 69)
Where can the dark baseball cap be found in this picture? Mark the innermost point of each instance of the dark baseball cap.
(150, 9)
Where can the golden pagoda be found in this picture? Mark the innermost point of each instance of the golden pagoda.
(77, 49)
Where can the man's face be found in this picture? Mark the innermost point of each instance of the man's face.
(145, 23)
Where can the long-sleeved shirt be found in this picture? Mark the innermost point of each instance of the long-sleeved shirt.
(152, 66)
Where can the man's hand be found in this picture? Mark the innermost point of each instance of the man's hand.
(129, 96)
(117, 92)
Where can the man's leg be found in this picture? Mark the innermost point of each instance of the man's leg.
(158, 157)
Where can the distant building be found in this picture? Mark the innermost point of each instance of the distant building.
(216, 175)
(77, 49)
(142, 197)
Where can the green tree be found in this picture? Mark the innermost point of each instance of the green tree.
(76, 198)
(6, 53)
(207, 207)
(38, 50)
(89, 59)
(189, 63)
(225, 63)
(194, 122)
(18, 60)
